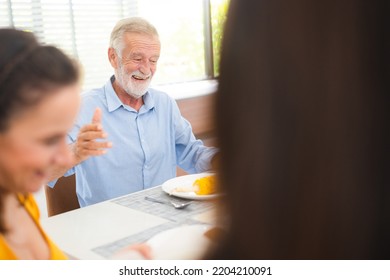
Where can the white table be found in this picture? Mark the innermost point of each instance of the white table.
(98, 231)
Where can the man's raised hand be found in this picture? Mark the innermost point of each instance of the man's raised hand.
(87, 143)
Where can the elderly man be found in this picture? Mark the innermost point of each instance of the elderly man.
(129, 137)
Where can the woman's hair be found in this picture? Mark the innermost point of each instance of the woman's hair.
(29, 72)
(303, 126)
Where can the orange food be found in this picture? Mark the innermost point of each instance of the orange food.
(205, 185)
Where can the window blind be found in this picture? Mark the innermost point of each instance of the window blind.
(82, 28)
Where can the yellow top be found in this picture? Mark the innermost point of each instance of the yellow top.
(32, 208)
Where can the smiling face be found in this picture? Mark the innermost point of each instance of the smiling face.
(35, 141)
(137, 62)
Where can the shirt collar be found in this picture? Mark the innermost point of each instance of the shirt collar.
(148, 103)
(113, 101)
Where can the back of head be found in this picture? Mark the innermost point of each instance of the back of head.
(130, 25)
(28, 70)
(302, 119)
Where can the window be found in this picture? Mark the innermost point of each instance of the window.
(182, 38)
(219, 10)
(82, 29)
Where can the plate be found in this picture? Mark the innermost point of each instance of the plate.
(186, 181)
(187, 242)
(180, 243)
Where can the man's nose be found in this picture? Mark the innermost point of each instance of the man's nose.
(145, 68)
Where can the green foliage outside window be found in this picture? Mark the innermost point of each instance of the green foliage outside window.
(218, 17)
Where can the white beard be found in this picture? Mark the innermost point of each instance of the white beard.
(132, 88)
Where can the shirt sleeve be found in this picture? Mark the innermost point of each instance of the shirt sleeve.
(191, 154)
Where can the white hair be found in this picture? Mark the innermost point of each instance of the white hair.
(130, 25)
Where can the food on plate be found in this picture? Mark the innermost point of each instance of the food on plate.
(205, 185)
(182, 189)
(202, 186)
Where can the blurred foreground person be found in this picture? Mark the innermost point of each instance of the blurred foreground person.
(303, 123)
(39, 99)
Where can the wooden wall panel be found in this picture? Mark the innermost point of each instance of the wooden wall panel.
(199, 111)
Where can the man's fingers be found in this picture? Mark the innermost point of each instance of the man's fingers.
(94, 145)
(88, 153)
(84, 150)
(91, 127)
(91, 135)
(97, 116)
(87, 144)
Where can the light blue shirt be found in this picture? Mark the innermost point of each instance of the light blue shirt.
(148, 145)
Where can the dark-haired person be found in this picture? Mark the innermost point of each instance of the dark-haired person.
(303, 110)
(39, 99)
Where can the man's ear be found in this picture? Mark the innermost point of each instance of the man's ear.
(113, 57)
